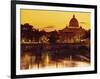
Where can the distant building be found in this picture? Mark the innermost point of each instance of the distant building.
(71, 33)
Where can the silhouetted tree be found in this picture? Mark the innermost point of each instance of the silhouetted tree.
(43, 32)
(36, 35)
(26, 31)
(53, 37)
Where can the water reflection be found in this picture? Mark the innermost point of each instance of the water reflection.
(53, 59)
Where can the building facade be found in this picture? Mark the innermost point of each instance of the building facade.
(71, 33)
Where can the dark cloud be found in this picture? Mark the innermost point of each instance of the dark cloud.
(49, 27)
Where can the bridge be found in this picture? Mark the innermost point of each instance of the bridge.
(54, 46)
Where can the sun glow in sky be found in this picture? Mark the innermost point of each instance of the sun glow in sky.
(53, 20)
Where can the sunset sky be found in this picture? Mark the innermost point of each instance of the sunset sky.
(53, 20)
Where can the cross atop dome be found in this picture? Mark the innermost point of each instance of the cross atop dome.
(73, 16)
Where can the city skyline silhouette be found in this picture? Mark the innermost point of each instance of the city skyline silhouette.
(53, 20)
